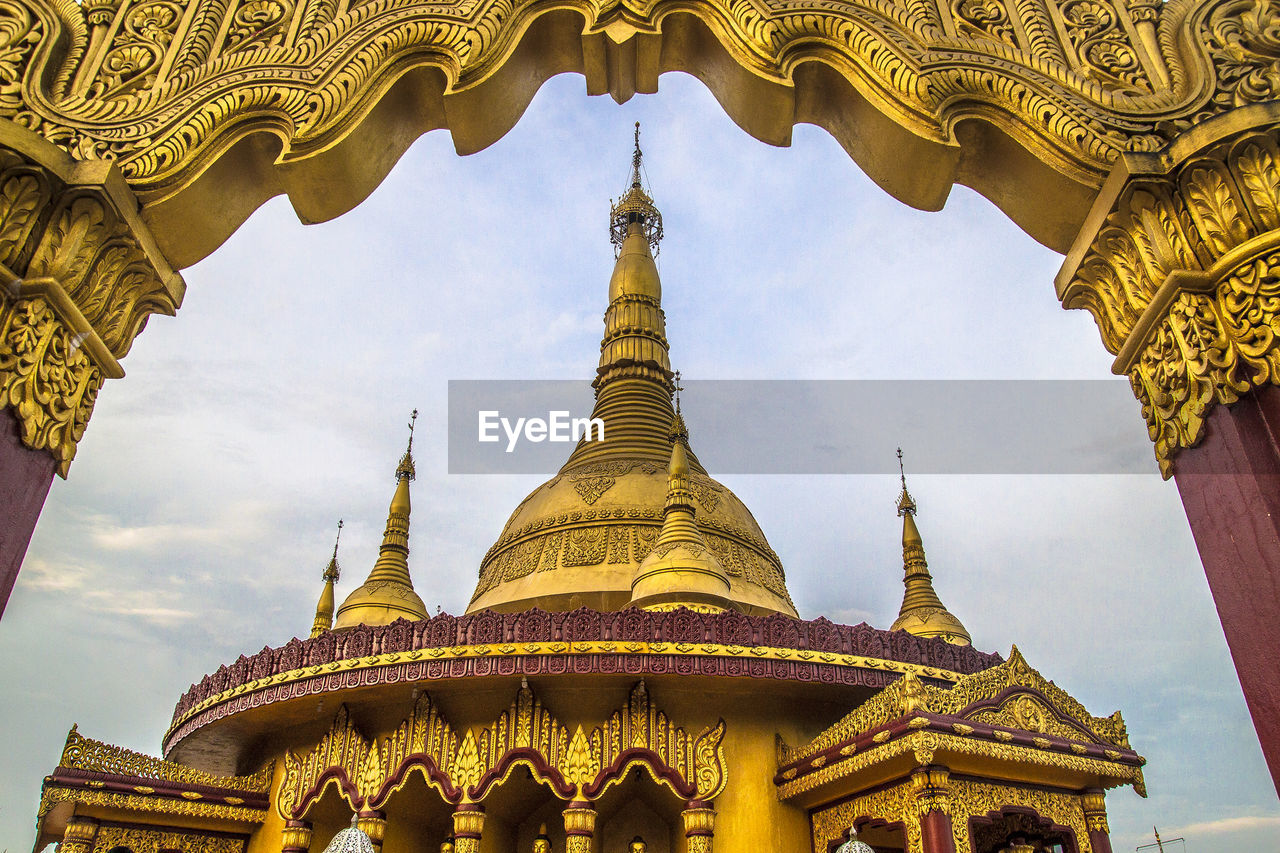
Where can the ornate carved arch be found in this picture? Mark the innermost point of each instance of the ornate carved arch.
(216, 105)
(578, 765)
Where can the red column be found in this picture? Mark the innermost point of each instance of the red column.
(25, 477)
(1230, 487)
(935, 833)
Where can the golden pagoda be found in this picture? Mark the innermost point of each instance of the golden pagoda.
(630, 677)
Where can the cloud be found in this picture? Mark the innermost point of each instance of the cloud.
(1228, 824)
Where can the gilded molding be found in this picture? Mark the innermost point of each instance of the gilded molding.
(147, 804)
(78, 836)
(569, 648)
(926, 746)
(577, 765)
(154, 841)
(1180, 268)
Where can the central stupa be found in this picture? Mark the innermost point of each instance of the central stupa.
(579, 539)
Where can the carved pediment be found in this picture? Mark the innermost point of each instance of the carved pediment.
(1011, 695)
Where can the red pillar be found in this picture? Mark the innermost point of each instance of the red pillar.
(935, 833)
(25, 477)
(1230, 487)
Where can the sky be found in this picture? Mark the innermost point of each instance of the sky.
(200, 511)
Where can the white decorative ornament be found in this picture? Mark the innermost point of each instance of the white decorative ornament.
(853, 845)
(351, 840)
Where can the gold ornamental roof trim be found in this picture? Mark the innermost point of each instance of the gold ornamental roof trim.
(557, 648)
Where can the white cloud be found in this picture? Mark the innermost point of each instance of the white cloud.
(1229, 824)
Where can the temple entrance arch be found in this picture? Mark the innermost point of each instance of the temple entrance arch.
(204, 106)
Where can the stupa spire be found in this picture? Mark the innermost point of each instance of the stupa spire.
(922, 612)
(387, 594)
(324, 607)
(633, 381)
(680, 570)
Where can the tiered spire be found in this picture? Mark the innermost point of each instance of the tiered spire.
(324, 607)
(633, 382)
(922, 612)
(388, 593)
(680, 570)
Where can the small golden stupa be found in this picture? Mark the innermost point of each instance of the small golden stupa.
(630, 677)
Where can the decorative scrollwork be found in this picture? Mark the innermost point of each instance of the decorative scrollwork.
(141, 840)
(1182, 278)
(79, 280)
(1075, 83)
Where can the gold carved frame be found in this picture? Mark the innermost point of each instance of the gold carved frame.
(1088, 121)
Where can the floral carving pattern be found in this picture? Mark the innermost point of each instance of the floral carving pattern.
(154, 841)
(1183, 279)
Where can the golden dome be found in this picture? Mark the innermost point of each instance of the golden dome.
(579, 539)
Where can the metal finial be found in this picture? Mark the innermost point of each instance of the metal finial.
(906, 505)
(636, 159)
(679, 388)
(635, 208)
(406, 468)
(331, 571)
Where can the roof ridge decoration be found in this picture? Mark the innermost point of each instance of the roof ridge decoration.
(97, 757)
(1012, 694)
(576, 765)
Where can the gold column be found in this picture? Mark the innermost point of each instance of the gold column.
(579, 827)
(699, 826)
(79, 275)
(296, 837)
(1179, 263)
(79, 835)
(468, 823)
(374, 825)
